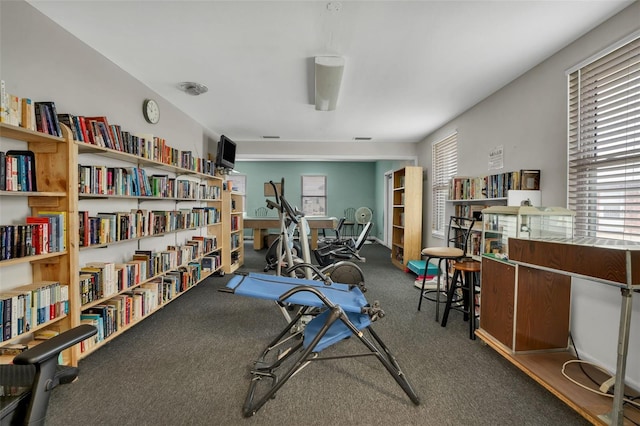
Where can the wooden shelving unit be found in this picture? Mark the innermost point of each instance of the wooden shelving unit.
(406, 243)
(56, 179)
(232, 231)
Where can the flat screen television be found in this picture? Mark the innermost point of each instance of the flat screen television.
(226, 153)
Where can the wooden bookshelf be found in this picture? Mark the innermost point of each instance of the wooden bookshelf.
(232, 230)
(55, 164)
(406, 243)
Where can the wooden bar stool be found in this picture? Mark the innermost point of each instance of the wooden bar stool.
(465, 277)
(458, 234)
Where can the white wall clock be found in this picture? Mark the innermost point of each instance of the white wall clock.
(151, 111)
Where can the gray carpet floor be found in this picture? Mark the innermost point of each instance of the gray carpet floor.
(188, 364)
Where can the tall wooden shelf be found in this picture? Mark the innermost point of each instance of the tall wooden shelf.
(232, 230)
(56, 178)
(406, 242)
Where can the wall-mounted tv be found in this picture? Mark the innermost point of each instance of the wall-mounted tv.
(226, 153)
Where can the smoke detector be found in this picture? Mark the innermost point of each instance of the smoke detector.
(193, 88)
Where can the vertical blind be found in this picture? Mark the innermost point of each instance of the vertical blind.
(604, 145)
(445, 166)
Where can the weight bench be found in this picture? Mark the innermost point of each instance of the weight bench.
(339, 311)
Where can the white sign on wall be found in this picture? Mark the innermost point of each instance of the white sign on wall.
(496, 158)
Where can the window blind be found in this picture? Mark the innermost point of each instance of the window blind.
(444, 167)
(314, 195)
(604, 145)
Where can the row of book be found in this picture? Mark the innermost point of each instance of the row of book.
(235, 223)
(43, 117)
(134, 181)
(109, 227)
(99, 280)
(28, 306)
(124, 309)
(493, 186)
(211, 262)
(470, 210)
(97, 131)
(24, 112)
(17, 171)
(41, 234)
(235, 241)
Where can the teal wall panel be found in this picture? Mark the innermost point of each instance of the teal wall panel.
(349, 184)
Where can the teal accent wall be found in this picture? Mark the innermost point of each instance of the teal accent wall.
(349, 184)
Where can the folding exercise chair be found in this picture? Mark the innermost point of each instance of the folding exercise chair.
(340, 311)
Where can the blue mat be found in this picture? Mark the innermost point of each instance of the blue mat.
(417, 267)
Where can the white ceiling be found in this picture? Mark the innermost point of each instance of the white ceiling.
(411, 66)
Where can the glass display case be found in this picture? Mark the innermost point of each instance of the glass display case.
(502, 222)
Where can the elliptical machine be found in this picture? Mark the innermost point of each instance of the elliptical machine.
(293, 258)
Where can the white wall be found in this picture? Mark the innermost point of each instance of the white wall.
(528, 118)
(41, 61)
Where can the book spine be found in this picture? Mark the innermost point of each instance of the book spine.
(4, 103)
(3, 171)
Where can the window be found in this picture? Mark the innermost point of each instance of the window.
(604, 144)
(445, 166)
(314, 195)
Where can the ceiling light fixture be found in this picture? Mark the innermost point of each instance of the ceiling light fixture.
(328, 76)
(193, 88)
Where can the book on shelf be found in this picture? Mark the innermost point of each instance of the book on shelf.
(4, 103)
(108, 275)
(87, 135)
(60, 226)
(13, 349)
(84, 228)
(96, 284)
(14, 110)
(47, 118)
(67, 120)
(97, 321)
(42, 225)
(104, 129)
(23, 170)
(3, 171)
(45, 334)
(28, 114)
(10, 313)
